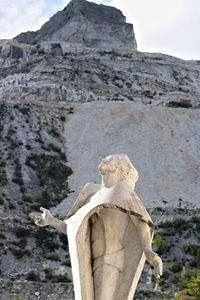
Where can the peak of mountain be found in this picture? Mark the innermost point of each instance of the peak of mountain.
(87, 24)
(100, 14)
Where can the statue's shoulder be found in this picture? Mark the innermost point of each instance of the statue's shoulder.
(125, 197)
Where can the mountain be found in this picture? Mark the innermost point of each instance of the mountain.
(72, 93)
(87, 24)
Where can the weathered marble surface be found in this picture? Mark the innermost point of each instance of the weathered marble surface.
(110, 236)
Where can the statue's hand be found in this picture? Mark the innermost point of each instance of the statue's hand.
(155, 261)
(43, 219)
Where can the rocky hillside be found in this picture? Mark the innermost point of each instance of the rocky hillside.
(70, 94)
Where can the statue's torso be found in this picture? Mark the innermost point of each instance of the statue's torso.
(107, 225)
(107, 231)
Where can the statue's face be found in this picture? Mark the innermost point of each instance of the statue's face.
(108, 164)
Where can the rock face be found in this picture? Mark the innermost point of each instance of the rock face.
(12, 49)
(93, 75)
(86, 24)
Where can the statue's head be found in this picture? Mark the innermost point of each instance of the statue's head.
(119, 165)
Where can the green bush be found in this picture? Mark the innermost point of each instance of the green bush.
(22, 232)
(172, 227)
(48, 273)
(161, 245)
(192, 249)
(166, 297)
(168, 232)
(175, 267)
(192, 287)
(180, 225)
(56, 278)
(64, 241)
(195, 220)
(21, 243)
(181, 296)
(26, 197)
(32, 276)
(163, 283)
(35, 205)
(193, 263)
(176, 278)
(18, 173)
(1, 198)
(67, 262)
(46, 239)
(19, 253)
(52, 256)
(61, 216)
(61, 278)
(166, 224)
(165, 275)
(52, 173)
(45, 199)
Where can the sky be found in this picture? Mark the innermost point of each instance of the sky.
(166, 26)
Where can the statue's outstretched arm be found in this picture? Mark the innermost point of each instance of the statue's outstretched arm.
(88, 190)
(146, 241)
(45, 218)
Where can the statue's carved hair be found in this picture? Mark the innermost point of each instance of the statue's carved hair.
(126, 168)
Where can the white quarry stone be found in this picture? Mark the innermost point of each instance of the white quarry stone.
(163, 142)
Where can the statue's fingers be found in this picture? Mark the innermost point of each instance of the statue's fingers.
(159, 265)
(156, 272)
(161, 268)
(33, 215)
(37, 223)
(37, 220)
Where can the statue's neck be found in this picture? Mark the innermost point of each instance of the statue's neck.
(109, 181)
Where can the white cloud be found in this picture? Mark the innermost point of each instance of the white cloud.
(53, 6)
(21, 15)
(167, 26)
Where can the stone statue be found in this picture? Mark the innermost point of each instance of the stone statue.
(110, 236)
